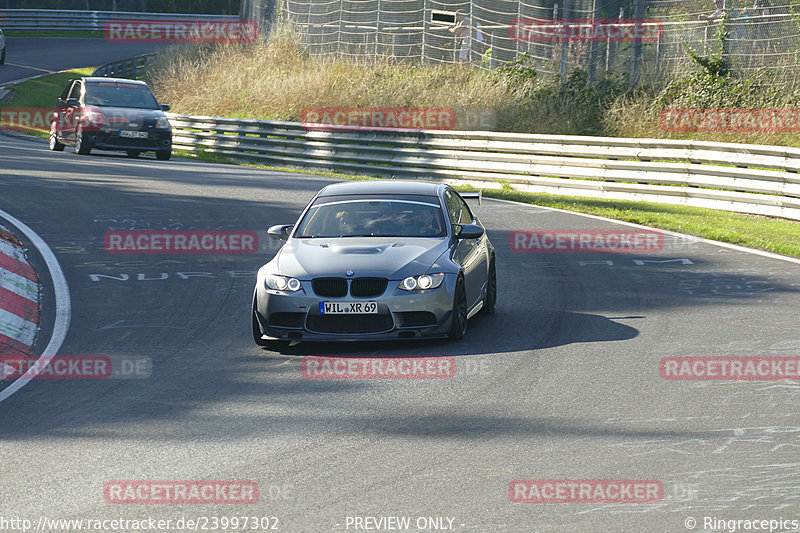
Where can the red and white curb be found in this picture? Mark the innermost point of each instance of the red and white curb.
(19, 298)
(19, 280)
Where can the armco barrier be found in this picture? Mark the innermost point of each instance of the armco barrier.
(745, 178)
(132, 68)
(58, 20)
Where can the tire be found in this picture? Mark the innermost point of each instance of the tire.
(81, 147)
(490, 301)
(458, 325)
(54, 144)
(3, 57)
(164, 155)
(133, 153)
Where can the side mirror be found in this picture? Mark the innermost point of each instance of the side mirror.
(280, 232)
(165, 107)
(73, 102)
(468, 231)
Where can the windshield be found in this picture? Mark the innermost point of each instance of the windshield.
(372, 218)
(120, 95)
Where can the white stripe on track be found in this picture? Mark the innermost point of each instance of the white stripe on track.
(17, 328)
(12, 250)
(19, 285)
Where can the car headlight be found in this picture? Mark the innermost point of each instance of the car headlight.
(282, 283)
(162, 123)
(423, 282)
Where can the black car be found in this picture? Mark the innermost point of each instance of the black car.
(110, 114)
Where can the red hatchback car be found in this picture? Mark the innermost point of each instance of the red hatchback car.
(110, 114)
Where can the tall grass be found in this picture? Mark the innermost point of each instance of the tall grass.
(705, 82)
(276, 79)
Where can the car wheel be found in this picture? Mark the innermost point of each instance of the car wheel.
(54, 144)
(491, 290)
(163, 155)
(81, 147)
(133, 153)
(458, 327)
(3, 57)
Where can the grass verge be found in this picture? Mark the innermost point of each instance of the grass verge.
(775, 235)
(40, 93)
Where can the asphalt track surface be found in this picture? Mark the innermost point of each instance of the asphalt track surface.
(561, 383)
(32, 56)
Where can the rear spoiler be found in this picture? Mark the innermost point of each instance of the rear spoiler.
(473, 196)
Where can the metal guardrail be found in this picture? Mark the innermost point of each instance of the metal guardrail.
(58, 20)
(133, 68)
(752, 179)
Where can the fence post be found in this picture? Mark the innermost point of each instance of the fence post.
(424, 30)
(593, 46)
(377, 28)
(637, 44)
(552, 48)
(565, 44)
(723, 35)
(516, 41)
(339, 35)
(610, 45)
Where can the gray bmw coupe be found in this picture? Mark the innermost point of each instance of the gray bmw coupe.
(374, 260)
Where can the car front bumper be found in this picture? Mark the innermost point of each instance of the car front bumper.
(111, 140)
(401, 315)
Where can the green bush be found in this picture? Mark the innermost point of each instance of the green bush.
(549, 106)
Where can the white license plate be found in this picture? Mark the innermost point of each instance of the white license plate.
(133, 134)
(348, 308)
